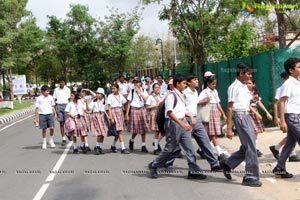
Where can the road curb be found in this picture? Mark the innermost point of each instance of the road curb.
(18, 114)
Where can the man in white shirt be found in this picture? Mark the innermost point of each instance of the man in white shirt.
(61, 95)
(239, 98)
(289, 109)
(123, 86)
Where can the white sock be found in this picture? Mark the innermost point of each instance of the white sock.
(81, 144)
(44, 140)
(143, 144)
(98, 144)
(256, 142)
(293, 153)
(75, 146)
(51, 139)
(219, 150)
(63, 138)
(277, 146)
(86, 144)
(114, 143)
(122, 145)
(155, 144)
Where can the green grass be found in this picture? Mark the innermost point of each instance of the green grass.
(17, 106)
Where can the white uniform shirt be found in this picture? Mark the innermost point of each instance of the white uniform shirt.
(207, 92)
(154, 100)
(123, 88)
(240, 95)
(291, 89)
(137, 100)
(75, 109)
(82, 104)
(97, 106)
(180, 109)
(277, 93)
(116, 100)
(62, 95)
(191, 100)
(163, 88)
(44, 104)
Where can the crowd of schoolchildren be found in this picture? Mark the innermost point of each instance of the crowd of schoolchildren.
(133, 106)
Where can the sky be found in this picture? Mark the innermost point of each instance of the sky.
(150, 24)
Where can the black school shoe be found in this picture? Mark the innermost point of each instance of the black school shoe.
(280, 173)
(196, 175)
(98, 150)
(63, 143)
(144, 149)
(158, 147)
(156, 152)
(153, 171)
(131, 145)
(274, 152)
(294, 158)
(113, 149)
(226, 170)
(70, 138)
(75, 151)
(124, 151)
(217, 168)
(251, 182)
(201, 153)
(259, 153)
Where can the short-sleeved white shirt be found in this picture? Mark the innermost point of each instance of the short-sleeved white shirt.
(62, 95)
(240, 95)
(207, 92)
(116, 100)
(44, 104)
(137, 101)
(153, 100)
(191, 100)
(291, 89)
(277, 93)
(180, 109)
(75, 109)
(123, 88)
(97, 106)
(163, 88)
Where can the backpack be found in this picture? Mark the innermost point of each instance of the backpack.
(160, 118)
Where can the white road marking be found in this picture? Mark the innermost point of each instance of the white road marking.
(2, 129)
(41, 192)
(272, 180)
(39, 195)
(59, 163)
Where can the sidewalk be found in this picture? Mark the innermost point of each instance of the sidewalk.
(4, 119)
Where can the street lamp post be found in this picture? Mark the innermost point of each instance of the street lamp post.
(159, 41)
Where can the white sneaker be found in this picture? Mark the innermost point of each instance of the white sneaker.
(52, 145)
(44, 145)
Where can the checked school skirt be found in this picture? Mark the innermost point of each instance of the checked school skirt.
(118, 116)
(138, 121)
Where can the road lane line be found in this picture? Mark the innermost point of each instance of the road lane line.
(41, 192)
(39, 195)
(2, 129)
(59, 163)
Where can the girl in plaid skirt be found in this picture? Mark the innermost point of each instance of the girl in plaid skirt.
(255, 116)
(99, 123)
(75, 111)
(86, 118)
(138, 120)
(115, 102)
(210, 95)
(153, 102)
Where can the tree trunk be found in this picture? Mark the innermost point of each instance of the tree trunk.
(281, 28)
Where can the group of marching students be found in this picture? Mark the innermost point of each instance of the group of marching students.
(134, 106)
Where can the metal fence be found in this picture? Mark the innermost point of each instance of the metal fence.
(267, 68)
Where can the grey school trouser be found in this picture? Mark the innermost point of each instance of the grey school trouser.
(247, 151)
(176, 135)
(293, 136)
(201, 137)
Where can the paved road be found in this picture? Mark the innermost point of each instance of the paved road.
(27, 171)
